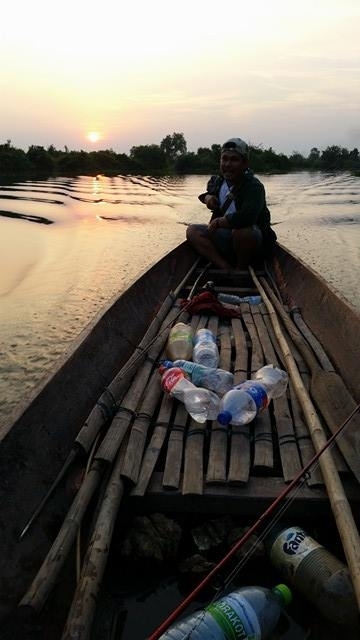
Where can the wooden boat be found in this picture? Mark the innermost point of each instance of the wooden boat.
(103, 403)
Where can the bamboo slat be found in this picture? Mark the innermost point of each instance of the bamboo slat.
(225, 347)
(193, 477)
(289, 453)
(154, 447)
(306, 447)
(263, 444)
(174, 456)
(113, 438)
(239, 462)
(217, 463)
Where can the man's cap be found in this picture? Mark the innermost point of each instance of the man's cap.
(237, 145)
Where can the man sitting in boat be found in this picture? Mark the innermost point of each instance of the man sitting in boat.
(239, 231)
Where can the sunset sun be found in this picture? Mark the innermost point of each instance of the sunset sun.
(93, 136)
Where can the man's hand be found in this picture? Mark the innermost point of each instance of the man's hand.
(218, 223)
(211, 202)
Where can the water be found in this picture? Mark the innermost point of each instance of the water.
(69, 245)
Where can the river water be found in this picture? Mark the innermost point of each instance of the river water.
(68, 245)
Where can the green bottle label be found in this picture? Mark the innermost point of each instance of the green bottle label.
(235, 627)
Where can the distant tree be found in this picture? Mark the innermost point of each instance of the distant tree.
(40, 159)
(354, 155)
(331, 158)
(13, 161)
(173, 146)
(314, 156)
(76, 162)
(187, 164)
(296, 160)
(150, 157)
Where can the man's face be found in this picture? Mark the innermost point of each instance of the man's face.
(232, 166)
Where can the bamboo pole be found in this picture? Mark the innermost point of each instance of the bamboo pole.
(45, 579)
(81, 613)
(106, 405)
(346, 526)
(328, 390)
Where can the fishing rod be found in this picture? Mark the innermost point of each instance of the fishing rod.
(270, 509)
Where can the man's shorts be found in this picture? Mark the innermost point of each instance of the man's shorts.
(222, 239)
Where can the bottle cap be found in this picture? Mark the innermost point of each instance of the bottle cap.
(224, 417)
(166, 364)
(284, 592)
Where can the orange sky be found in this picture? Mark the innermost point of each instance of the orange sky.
(278, 73)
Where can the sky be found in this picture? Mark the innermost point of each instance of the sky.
(111, 75)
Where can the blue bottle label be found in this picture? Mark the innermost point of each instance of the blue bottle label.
(257, 392)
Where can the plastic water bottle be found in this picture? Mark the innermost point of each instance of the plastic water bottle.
(244, 402)
(249, 613)
(218, 380)
(202, 404)
(205, 350)
(228, 298)
(275, 380)
(180, 341)
(315, 572)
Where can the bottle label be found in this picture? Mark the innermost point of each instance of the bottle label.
(180, 334)
(237, 620)
(290, 548)
(203, 336)
(170, 378)
(185, 365)
(257, 392)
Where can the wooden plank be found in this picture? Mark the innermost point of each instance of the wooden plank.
(216, 469)
(239, 460)
(241, 352)
(263, 436)
(193, 480)
(263, 444)
(305, 375)
(289, 453)
(139, 430)
(248, 500)
(225, 346)
(154, 447)
(307, 451)
(174, 456)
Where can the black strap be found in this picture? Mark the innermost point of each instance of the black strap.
(227, 202)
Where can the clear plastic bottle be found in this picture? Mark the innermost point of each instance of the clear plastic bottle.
(315, 572)
(218, 380)
(205, 349)
(242, 404)
(228, 298)
(249, 613)
(180, 341)
(202, 404)
(275, 380)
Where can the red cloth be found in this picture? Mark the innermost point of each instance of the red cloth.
(207, 303)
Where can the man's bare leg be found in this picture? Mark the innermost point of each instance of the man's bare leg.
(200, 240)
(247, 246)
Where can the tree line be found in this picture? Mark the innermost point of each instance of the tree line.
(169, 157)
